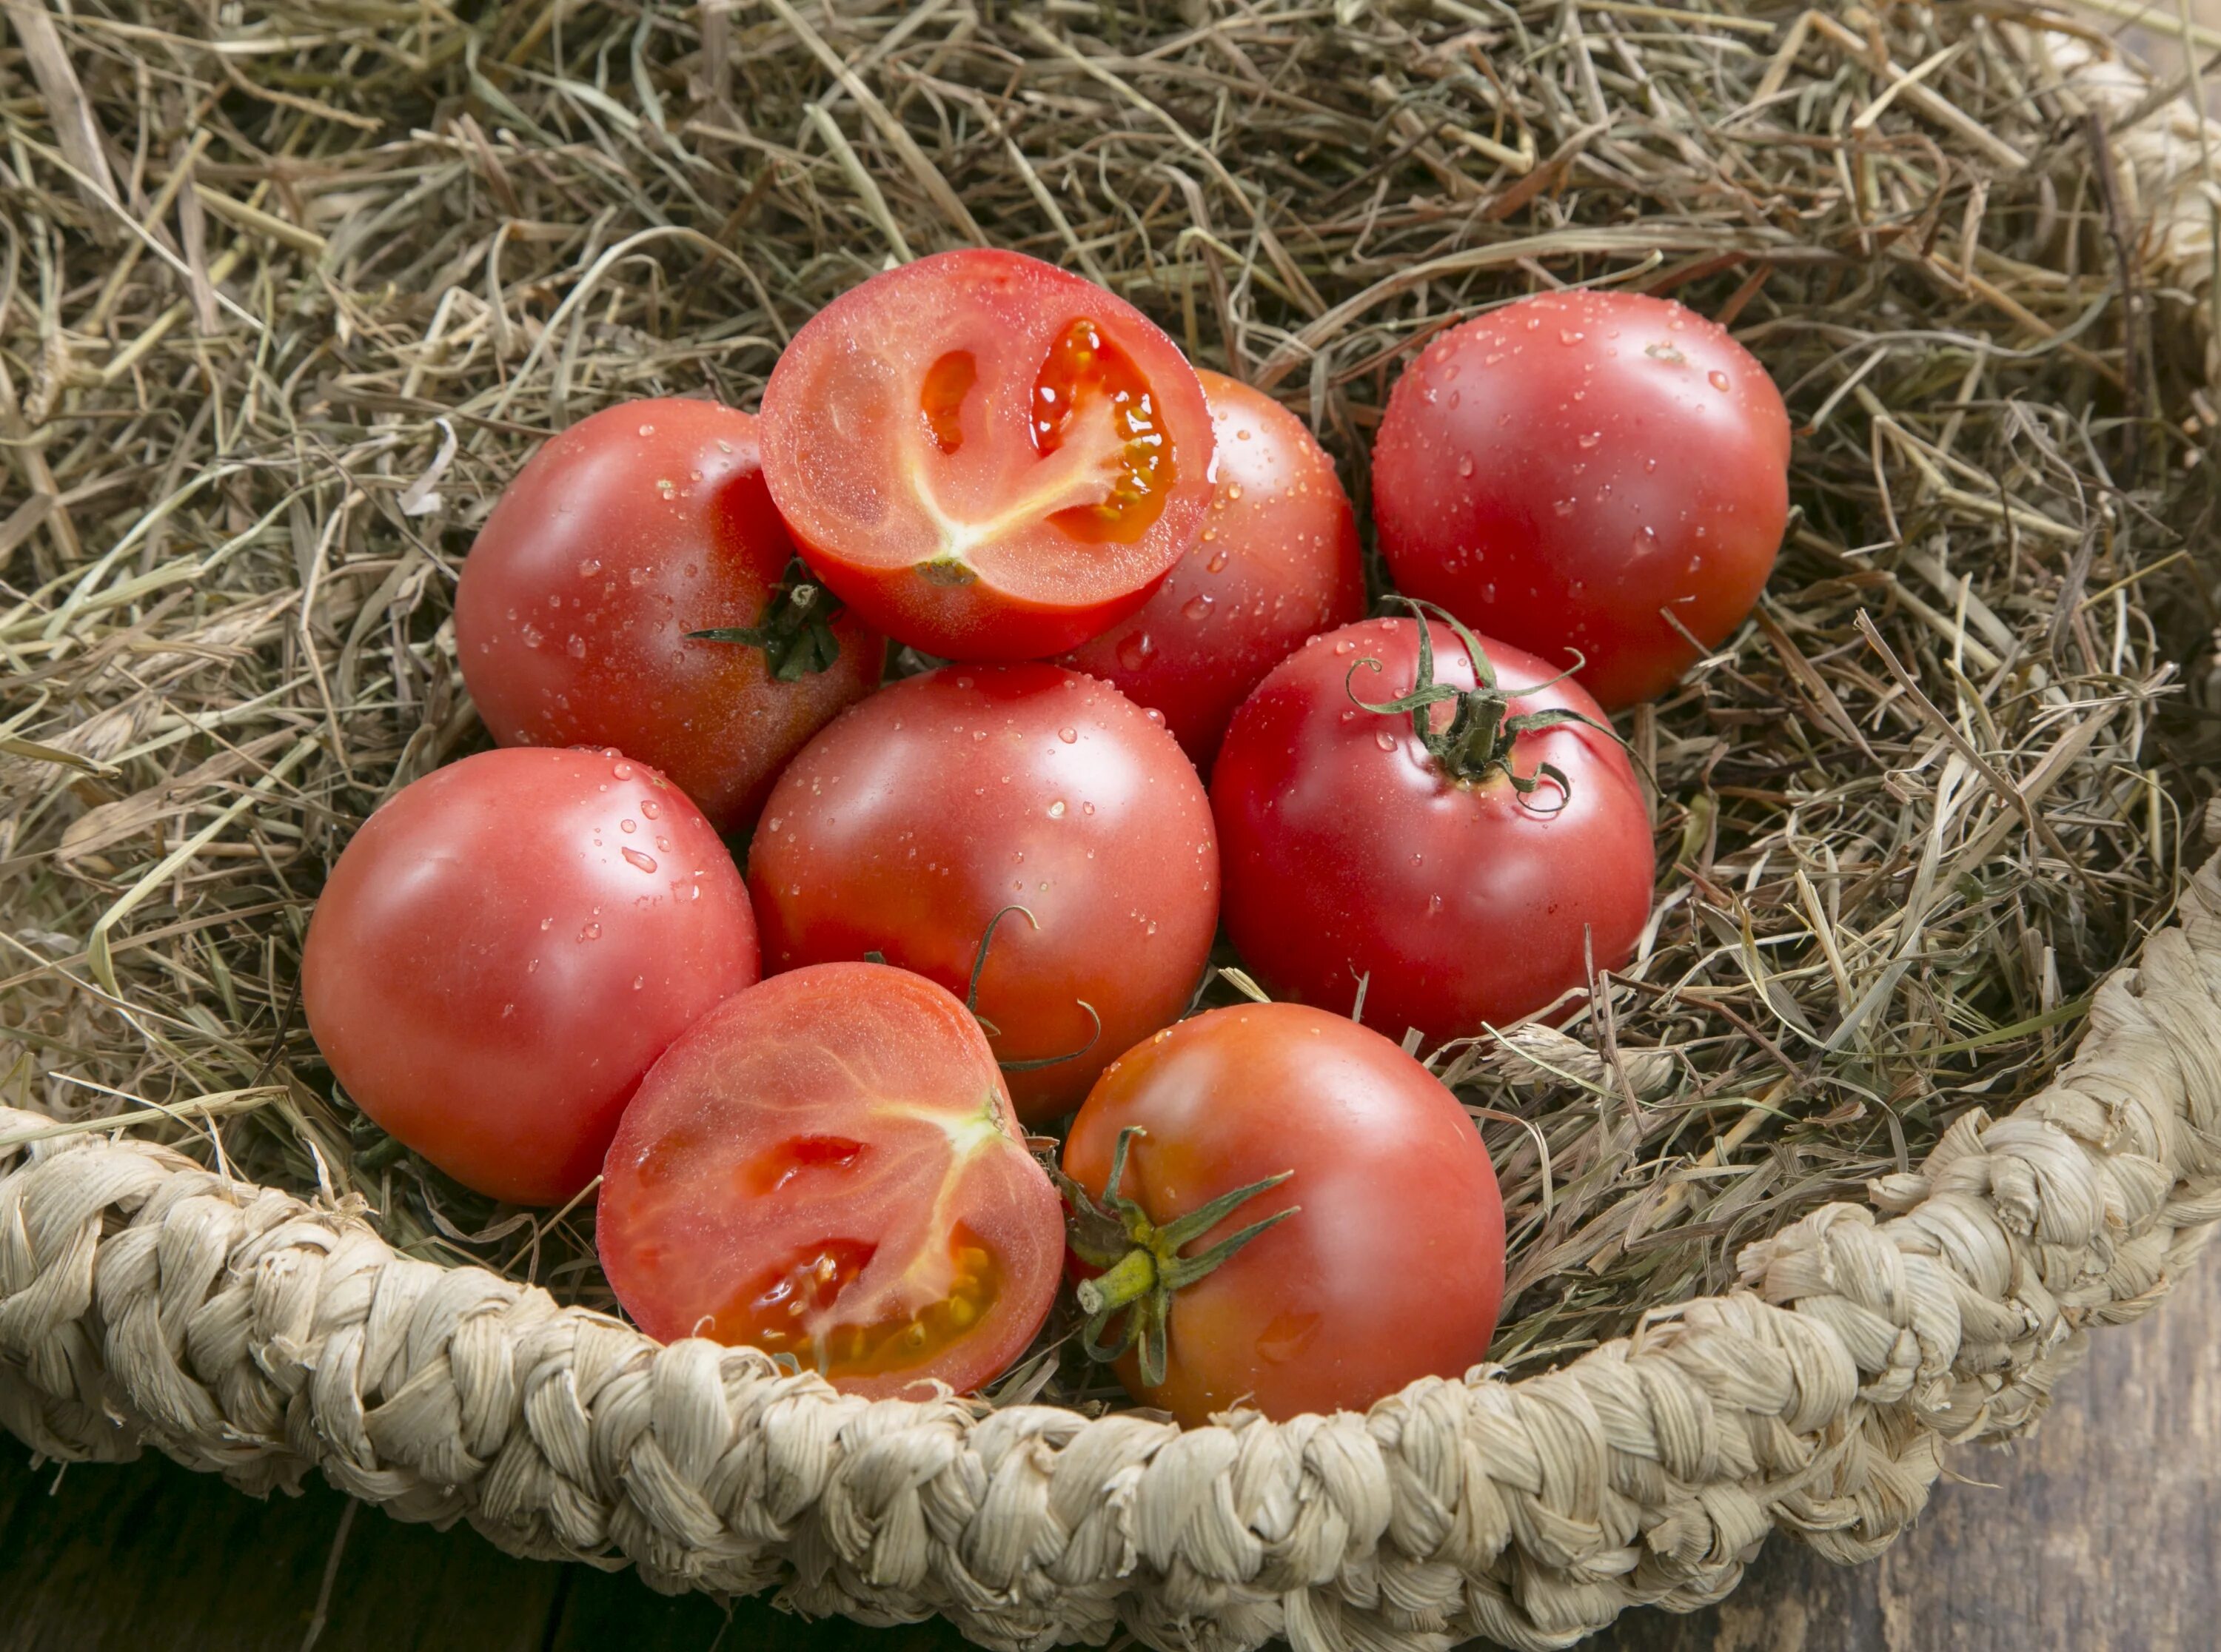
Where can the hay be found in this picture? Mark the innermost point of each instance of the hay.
(283, 306)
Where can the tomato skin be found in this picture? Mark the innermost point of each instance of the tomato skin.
(918, 816)
(632, 528)
(1347, 857)
(1278, 562)
(1557, 471)
(1393, 1268)
(851, 1103)
(923, 498)
(504, 949)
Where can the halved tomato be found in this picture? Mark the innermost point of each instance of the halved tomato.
(827, 1166)
(987, 457)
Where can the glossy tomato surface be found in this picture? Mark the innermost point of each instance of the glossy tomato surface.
(988, 458)
(504, 948)
(1393, 1269)
(907, 825)
(634, 527)
(1350, 853)
(827, 1166)
(1278, 561)
(1558, 472)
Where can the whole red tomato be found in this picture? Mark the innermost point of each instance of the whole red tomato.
(827, 1166)
(504, 949)
(908, 826)
(1380, 1257)
(1279, 560)
(620, 540)
(987, 457)
(1468, 875)
(1556, 472)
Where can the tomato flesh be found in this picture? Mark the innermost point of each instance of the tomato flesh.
(828, 1167)
(1392, 1267)
(506, 946)
(908, 826)
(987, 457)
(624, 534)
(1567, 472)
(1278, 561)
(1351, 856)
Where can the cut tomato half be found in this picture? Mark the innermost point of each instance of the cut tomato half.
(986, 457)
(830, 1170)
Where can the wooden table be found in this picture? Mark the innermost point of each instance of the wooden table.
(2103, 1535)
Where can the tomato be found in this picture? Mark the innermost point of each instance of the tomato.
(827, 1166)
(1354, 851)
(910, 824)
(504, 948)
(1558, 472)
(1391, 1268)
(986, 457)
(635, 527)
(1278, 561)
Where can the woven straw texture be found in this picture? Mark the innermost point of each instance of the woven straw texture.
(145, 1300)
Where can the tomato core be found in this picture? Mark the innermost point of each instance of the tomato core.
(1084, 371)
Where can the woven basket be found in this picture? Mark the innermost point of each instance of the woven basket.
(146, 1299)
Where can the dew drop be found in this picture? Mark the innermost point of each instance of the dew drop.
(1218, 563)
(1343, 645)
(1134, 652)
(532, 636)
(1383, 739)
(590, 933)
(646, 863)
(1056, 810)
(638, 981)
(1717, 379)
(1590, 439)
(1233, 490)
(1067, 735)
(1088, 808)
(590, 567)
(1198, 608)
(1154, 715)
(623, 771)
(1644, 541)
(648, 430)
(1650, 467)
(1564, 507)
(627, 825)
(1465, 464)
(651, 808)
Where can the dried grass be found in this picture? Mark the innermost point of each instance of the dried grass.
(286, 296)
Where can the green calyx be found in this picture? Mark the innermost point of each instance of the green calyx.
(795, 630)
(1142, 1266)
(1479, 739)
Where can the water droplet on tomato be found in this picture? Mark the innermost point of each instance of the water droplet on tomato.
(1234, 491)
(1343, 645)
(648, 430)
(1056, 810)
(638, 981)
(1649, 466)
(531, 635)
(590, 933)
(1564, 507)
(1134, 652)
(1569, 335)
(1717, 379)
(1154, 715)
(1067, 735)
(590, 567)
(650, 807)
(1383, 739)
(1465, 464)
(1088, 808)
(1645, 540)
(1590, 439)
(979, 734)
(646, 863)
(1218, 563)
(1198, 608)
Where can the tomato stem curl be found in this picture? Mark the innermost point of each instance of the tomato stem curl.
(1479, 739)
(1142, 1266)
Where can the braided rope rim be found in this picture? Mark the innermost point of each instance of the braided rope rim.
(145, 1300)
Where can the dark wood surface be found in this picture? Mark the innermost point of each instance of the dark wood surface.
(2102, 1535)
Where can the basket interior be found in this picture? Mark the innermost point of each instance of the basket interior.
(1904, 819)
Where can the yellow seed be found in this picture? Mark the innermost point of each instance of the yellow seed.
(971, 1260)
(962, 1313)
